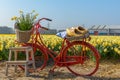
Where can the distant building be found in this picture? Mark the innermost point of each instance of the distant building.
(105, 30)
(6, 30)
(50, 31)
(61, 30)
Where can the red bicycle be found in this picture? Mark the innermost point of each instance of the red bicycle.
(78, 56)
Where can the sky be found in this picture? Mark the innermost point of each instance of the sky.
(64, 13)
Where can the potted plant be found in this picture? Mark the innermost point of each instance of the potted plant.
(23, 25)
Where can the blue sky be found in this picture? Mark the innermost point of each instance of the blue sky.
(64, 13)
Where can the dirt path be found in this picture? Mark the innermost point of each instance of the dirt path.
(108, 70)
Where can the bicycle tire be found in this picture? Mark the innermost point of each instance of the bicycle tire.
(89, 57)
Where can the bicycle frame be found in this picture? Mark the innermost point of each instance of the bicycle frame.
(37, 40)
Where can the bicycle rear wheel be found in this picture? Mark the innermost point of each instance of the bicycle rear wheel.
(84, 58)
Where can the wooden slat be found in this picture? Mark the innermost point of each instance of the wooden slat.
(16, 62)
(21, 48)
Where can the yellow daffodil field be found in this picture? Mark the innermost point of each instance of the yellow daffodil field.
(108, 46)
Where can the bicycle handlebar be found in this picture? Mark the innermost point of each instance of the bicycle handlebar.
(38, 22)
(44, 28)
(49, 19)
(44, 19)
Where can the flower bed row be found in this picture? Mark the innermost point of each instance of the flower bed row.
(108, 46)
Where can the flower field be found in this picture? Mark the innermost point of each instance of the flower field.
(108, 46)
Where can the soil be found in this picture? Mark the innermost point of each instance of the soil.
(108, 70)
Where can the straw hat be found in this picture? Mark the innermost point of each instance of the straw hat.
(76, 31)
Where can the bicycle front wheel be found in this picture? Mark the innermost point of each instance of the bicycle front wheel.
(41, 58)
(82, 57)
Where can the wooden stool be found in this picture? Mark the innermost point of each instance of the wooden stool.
(28, 51)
